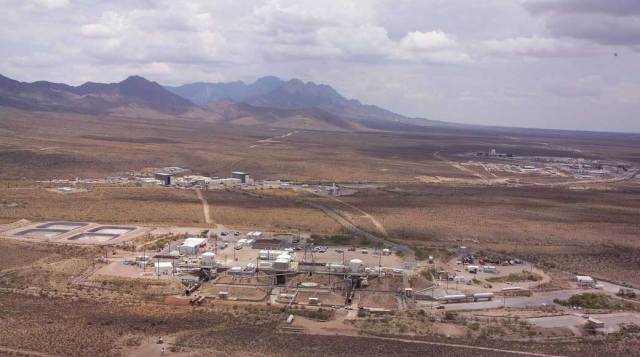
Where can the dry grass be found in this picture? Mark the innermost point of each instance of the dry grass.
(105, 205)
(267, 210)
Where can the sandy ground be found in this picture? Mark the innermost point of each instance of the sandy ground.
(612, 321)
(150, 347)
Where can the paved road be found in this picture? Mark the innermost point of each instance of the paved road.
(611, 321)
(537, 299)
(614, 288)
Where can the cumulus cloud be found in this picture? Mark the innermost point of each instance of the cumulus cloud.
(426, 41)
(343, 31)
(154, 35)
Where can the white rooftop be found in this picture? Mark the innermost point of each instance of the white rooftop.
(193, 242)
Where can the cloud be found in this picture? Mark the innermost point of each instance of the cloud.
(415, 57)
(47, 4)
(611, 7)
(344, 31)
(427, 41)
(605, 30)
(153, 35)
(609, 23)
(535, 46)
(97, 31)
(585, 87)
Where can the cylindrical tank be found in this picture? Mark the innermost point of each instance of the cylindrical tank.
(356, 266)
(208, 258)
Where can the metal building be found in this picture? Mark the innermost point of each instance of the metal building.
(242, 176)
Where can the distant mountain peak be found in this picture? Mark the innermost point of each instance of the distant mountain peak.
(292, 94)
(91, 97)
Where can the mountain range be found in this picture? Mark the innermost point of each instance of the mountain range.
(267, 101)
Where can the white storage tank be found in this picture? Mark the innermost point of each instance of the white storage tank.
(482, 296)
(208, 258)
(338, 268)
(454, 298)
(356, 266)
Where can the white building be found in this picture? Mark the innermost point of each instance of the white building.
(585, 281)
(270, 254)
(164, 268)
(191, 246)
(489, 269)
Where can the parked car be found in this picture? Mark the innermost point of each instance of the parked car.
(352, 249)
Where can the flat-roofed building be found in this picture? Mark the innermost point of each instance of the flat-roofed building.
(242, 176)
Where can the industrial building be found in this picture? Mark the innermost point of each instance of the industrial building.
(242, 176)
(191, 246)
(164, 178)
(585, 281)
(163, 268)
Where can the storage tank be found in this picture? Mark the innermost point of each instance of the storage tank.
(208, 258)
(356, 266)
(338, 268)
(454, 298)
(482, 296)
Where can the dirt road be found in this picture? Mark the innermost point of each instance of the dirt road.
(469, 347)
(460, 167)
(353, 228)
(375, 222)
(272, 139)
(20, 352)
(205, 206)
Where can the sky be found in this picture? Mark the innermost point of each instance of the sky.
(566, 64)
